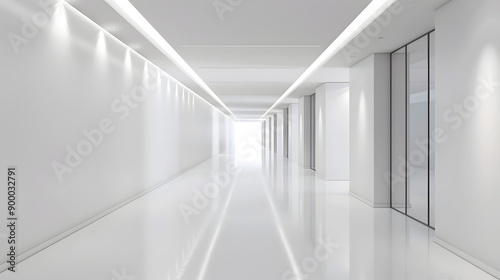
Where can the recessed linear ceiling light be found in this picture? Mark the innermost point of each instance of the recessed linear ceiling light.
(137, 20)
(365, 18)
(250, 46)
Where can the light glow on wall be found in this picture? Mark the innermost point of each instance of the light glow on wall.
(362, 114)
(128, 62)
(486, 96)
(68, 7)
(136, 19)
(169, 89)
(60, 27)
(100, 47)
(159, 79)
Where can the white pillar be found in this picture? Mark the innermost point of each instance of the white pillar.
(272, 133)
(293, 133)
(305, 132)
(332, 131)
(279, 135)
(370, 130)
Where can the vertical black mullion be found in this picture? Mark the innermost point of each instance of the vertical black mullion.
(390, 131)
(429, 129)
(312, 138)
(406, 130)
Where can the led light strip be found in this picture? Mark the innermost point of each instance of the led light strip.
(66, 5)
(365, 18)
(137, 20)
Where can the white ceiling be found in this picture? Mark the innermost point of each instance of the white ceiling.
(250, 54)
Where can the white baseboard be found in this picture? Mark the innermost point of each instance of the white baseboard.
(488, 269)
(319, 176)
(400, 205)
(369, 203)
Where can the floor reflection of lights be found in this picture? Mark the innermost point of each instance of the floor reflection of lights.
(267, 223)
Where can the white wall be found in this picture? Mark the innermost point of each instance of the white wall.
(279, 134)
(69, 77)
(293, 132)
(222, 134)
(273, 133)
(370, 130)
(267, 125)
(468, 153)
(332, 131)
(285, 128)
(215, 134)
(305, 131)
(270, 134)
(226, 136)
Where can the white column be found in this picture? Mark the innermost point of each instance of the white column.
(370, 130)
(285, 132)
(272, 133)
(332, 131)
(305, 132)
(268, 134)
(279, 134)
(293, 133)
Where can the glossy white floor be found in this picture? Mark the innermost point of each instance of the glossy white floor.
(267, 220)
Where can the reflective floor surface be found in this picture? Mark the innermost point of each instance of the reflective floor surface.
(258, 218)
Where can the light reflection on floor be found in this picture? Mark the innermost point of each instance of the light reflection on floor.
(268, 220)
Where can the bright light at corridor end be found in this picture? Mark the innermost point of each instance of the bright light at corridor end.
(139, 22)
(365, 18)
(248, 141)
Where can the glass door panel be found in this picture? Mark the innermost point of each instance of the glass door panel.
(313, 131)
(417, 130)
(398, 130)
(432, 127)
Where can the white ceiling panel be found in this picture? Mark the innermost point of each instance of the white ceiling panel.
(250, 52)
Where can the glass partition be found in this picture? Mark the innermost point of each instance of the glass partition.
(313, 132)
(418, 127)
(412, 125)
(398, 129)
(432, 127)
